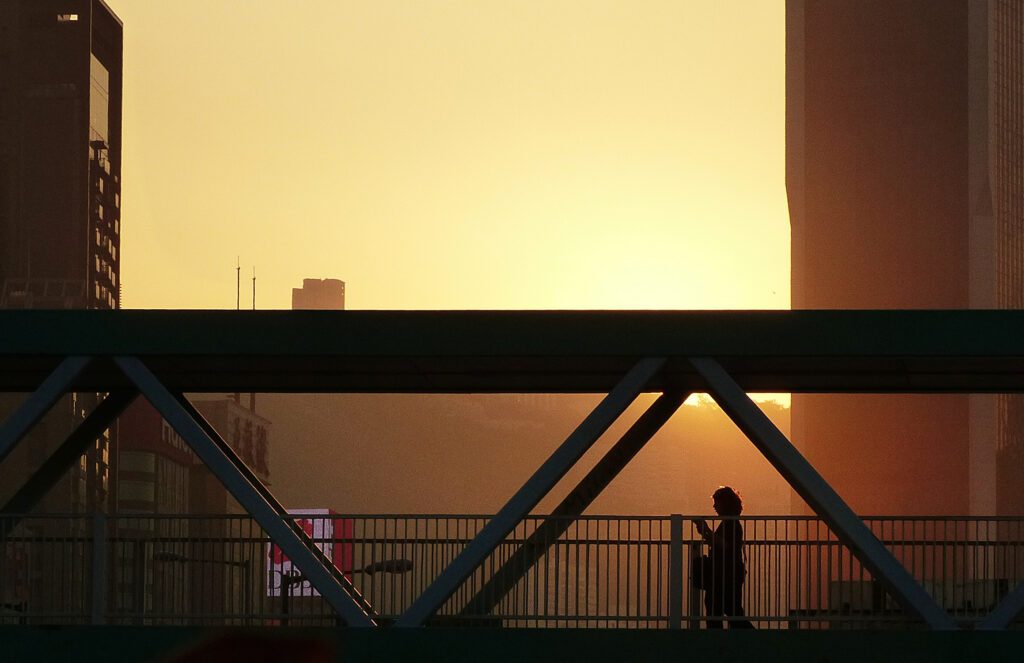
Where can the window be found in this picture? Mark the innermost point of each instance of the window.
(135, 461)
(137, 491)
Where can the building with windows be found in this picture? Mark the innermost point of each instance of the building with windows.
(248, 434)
(60, 199)
(60, 154)
(905, 181)
(320, 295)
(153, 470)
(153, 465)
(159, 475)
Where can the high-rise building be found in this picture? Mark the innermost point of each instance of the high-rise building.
(60, 172)
(60, 154)
(905, 179)
(321, 295)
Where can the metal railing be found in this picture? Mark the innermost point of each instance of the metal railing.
(593, 572)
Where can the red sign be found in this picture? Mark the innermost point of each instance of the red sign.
(330, 534)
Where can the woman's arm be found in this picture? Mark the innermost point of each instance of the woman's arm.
(703, 529)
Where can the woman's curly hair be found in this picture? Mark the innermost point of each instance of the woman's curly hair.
(729, 501)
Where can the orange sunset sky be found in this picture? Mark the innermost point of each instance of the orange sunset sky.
(467, 154)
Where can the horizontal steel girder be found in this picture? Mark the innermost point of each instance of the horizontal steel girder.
(521, 351)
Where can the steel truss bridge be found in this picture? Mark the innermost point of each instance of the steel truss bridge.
(162, 355)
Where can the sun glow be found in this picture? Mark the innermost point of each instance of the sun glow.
(475, 154)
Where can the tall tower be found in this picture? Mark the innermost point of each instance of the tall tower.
(60, 154)
(906, 190)
(60, 197)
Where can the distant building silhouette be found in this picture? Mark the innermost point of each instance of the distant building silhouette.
(321, 295)
(60, 172)
(904, 173)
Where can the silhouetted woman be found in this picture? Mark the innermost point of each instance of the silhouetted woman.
(724, 596)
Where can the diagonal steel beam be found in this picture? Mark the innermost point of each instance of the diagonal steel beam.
(39, 403)
(303, 554)
(532, 492)
(1005, 612)
(64, 456)
(226, 449)
(574, 504)
(820, 496)
(268, 496)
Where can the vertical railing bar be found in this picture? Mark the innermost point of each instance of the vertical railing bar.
(557, 598)
(607, 564)
(647, 575)
(573, 558)
(627, 605)
(633, 602)
(539, 573)
(586, 555)
(775, 598)
(639, 562)
(99, 568)
(617, 570)
(617, 546)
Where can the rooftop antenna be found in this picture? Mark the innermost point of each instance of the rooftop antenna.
(238, 283)
(238, 302)
(252, 394)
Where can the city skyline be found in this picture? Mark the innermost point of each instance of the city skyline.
(471, 155)
(525, 466)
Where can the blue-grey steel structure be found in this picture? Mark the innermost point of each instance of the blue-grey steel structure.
(162, 355)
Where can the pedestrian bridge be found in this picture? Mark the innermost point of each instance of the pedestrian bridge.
(512, 568)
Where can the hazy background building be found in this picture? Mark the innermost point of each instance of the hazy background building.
(319, 294)
(60, 169)
(906, 190)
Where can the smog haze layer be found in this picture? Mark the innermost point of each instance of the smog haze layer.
(456, 155)
(461, 155)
